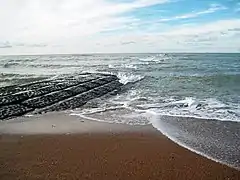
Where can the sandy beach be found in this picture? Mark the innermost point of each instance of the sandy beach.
(100, 151)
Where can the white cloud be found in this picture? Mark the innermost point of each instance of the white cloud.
(212, 9)
(223, 35)
(49, 20)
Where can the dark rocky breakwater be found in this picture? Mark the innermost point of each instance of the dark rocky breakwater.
(54, 95)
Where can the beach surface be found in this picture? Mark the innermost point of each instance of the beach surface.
(58, 146)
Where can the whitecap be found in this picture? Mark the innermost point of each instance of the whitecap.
(126, 78)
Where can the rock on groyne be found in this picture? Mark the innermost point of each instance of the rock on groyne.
(54, 95)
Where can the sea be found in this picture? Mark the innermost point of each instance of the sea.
(193, 99)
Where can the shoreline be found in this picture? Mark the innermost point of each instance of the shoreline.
(141, 150)
(210, 138)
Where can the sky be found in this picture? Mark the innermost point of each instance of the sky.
(118, 26)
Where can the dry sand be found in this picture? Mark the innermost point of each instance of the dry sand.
(102, 152)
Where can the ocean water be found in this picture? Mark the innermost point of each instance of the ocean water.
(188, 97)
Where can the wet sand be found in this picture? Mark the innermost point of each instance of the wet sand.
(101, 151)
(213, 138)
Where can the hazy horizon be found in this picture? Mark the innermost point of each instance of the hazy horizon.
(116, 53)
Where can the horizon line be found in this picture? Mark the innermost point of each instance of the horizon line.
(99, 53)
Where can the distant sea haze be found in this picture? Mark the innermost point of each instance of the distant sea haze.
(170, 91)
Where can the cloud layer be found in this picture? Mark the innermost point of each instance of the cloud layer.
(88, 26)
